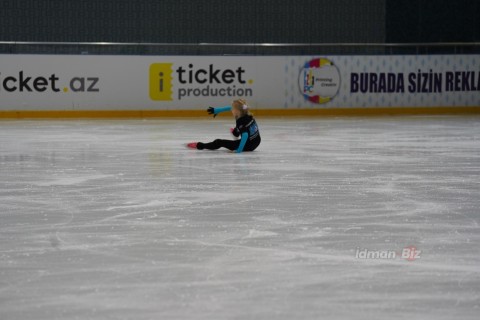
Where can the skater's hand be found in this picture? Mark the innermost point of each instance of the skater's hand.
(211, 110)
(234, 132)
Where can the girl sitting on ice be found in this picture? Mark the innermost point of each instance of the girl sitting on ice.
(246, 128)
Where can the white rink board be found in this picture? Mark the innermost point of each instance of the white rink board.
(83, 82)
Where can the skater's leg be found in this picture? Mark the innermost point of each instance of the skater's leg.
(219, 143)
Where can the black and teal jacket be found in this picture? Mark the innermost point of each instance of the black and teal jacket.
(246, 128)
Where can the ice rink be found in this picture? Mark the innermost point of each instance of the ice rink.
(116, 219)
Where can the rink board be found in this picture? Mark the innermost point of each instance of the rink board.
(160, 86)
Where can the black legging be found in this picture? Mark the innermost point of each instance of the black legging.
(229, 144)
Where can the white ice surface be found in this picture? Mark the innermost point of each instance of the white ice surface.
(118, 220)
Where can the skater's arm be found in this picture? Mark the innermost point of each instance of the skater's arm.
(222, 109)
(235, 132)
(218, 110)
(242, 142)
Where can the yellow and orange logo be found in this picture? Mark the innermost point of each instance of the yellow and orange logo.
(161, 81)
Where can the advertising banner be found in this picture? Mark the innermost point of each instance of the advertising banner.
(84, 82)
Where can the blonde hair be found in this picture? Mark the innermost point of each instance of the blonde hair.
(242, 106)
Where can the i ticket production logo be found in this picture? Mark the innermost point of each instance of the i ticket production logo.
(168, 83)
(319, 80)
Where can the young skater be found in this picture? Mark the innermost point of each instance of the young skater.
(246, 128)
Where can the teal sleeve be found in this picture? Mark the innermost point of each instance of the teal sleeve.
(242, 142)
(222, 109)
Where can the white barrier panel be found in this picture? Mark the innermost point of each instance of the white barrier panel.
(60, 82)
